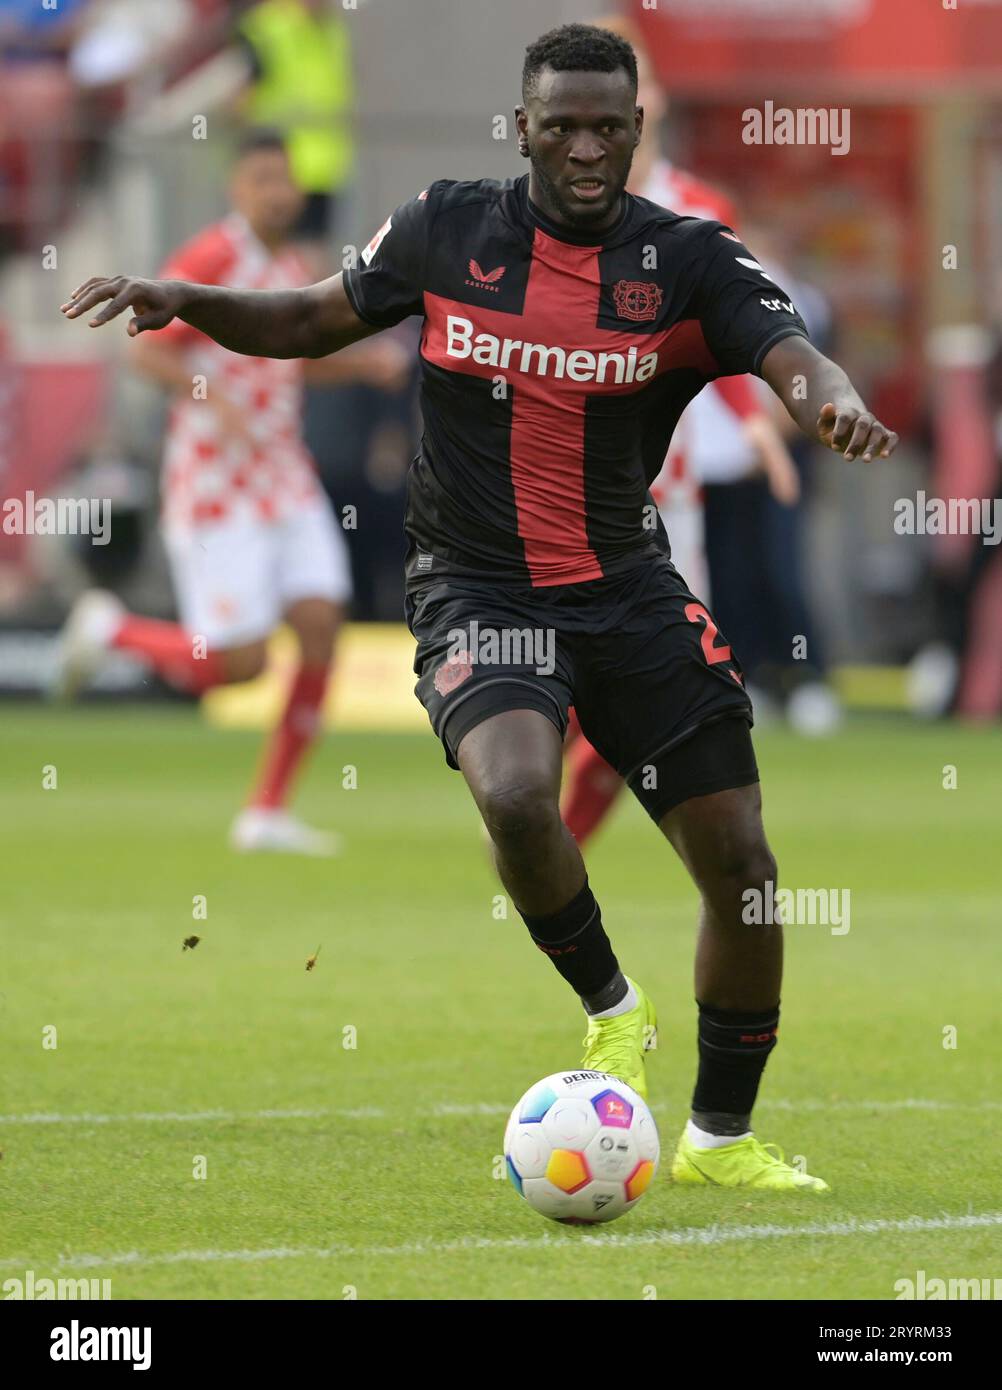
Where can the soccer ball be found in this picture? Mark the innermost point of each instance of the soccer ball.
(581, 1146)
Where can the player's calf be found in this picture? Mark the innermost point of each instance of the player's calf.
(721, 841)
(315, 621)
(511, 763)
(738, 959)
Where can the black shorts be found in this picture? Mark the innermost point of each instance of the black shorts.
(637, 655)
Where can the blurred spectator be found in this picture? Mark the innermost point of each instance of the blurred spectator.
(755, 551)
(120, 39)
(363, 441)
(300, 81)
(30, 32)
(36, 112)
(66, 74)
(298, 55)
(960, 670)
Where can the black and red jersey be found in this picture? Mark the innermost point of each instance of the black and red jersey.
(554, 369)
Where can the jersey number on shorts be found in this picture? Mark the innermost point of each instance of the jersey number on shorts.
(696, 613)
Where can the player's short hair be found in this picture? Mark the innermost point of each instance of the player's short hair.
(260, 138)
(577, 48)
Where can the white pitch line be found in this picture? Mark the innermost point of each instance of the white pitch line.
(907, 1103)
(443, 1111)
(190, 1117)
(688, 1236)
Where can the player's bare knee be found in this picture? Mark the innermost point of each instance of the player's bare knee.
(740, 876)
(759, 871)
(245, 663)
(746, 864)
(520, 813)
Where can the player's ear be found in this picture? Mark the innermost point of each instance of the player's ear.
(522, 126)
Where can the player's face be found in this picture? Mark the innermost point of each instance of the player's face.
(582, 129)
(263, 190)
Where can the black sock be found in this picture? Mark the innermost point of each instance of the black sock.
(734, 1046)
(575, 941)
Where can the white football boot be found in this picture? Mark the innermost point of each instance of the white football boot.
(814, 710)
(261, 829)
(84, 642)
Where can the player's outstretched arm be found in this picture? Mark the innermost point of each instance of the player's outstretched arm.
(311, 322)
(824, 402)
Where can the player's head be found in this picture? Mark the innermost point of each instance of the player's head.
(262, 187)
(579, 122)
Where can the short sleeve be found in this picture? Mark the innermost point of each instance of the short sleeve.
(388, 283)
(205, 260)
(742, 311)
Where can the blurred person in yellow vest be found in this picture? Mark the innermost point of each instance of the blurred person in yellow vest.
(301, 82)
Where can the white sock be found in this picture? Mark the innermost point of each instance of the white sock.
(629, 1001)
(704, 1140)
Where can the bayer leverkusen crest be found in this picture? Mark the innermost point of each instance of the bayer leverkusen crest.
(453, 672)
(638, 300)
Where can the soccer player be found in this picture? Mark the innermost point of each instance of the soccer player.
(248, 530)
(566, 326)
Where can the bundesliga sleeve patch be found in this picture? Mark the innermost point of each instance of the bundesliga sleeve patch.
(376, 241)
(746, 260)
(753, 265)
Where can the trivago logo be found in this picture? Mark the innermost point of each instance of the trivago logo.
(537, 359)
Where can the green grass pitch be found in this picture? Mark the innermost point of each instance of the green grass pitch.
(332, 1168)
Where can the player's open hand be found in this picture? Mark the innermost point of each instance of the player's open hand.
(855, 433)
(154, 302)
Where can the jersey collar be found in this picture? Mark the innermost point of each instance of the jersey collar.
(535, 217)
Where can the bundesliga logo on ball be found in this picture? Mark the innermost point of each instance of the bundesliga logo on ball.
(581, 1147)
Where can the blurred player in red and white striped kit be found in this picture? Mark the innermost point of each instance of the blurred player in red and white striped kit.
(249, 533)
(726, 423)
